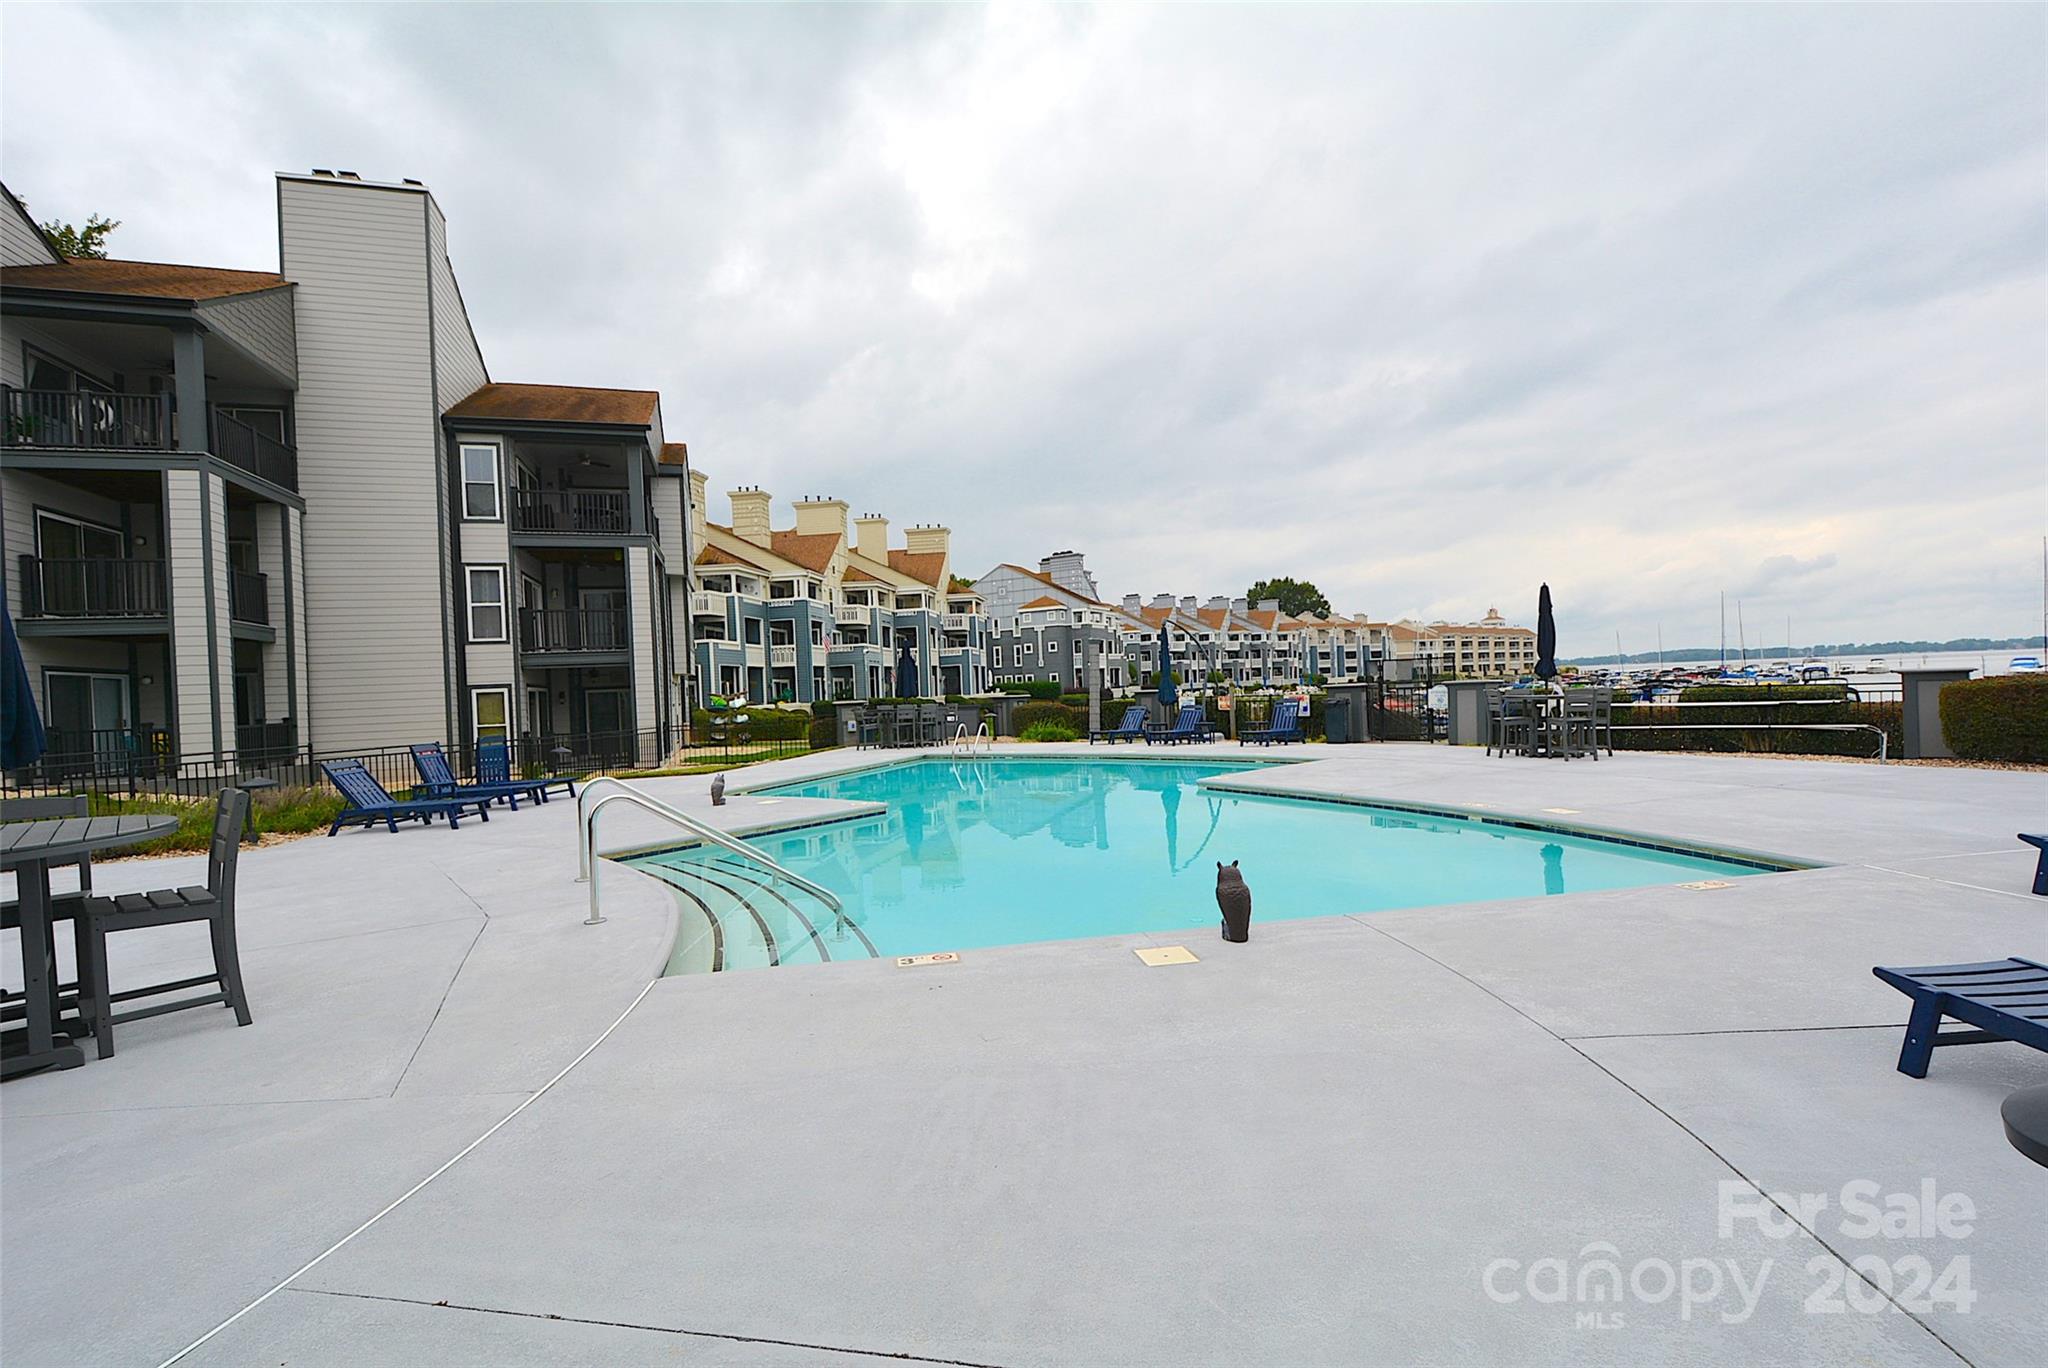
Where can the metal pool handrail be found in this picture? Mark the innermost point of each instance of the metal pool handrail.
(587, 828)
(964, 744)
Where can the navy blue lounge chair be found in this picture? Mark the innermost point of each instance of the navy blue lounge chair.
(494, 766)
(1285, 726)
(1999, 999)
(1130, 729)
(369, 804)
(2039, 843)
(437, 780)
(1189, 726)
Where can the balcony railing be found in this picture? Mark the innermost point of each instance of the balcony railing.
(249, 597)
(105, 587)
(707, 605)
(783, 657)
(600, 511)
(261, 743)
(854, 613)
(542, 630)
(263, 456)
(956, 622)
(99, 422)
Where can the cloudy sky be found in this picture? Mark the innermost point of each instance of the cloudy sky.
(1423, 304)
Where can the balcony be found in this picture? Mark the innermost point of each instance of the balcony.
(586, 512)
(707, 605)
(956, 622)
(249, 597)
(544, 631)
(246, 449)
(782, 657)
(90, 421)
(100, 588)
(853, 614)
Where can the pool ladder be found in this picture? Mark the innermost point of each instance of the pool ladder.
(964, 744)
(586, 824)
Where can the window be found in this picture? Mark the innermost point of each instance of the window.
(486, 602)
(753, 631)
(999, 655)
(65, 538)
(1052, 648)
(490, 711)
(480, 482)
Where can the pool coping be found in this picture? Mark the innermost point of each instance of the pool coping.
(1762, 861)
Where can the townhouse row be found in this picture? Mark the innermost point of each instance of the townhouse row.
(248, 513)
(1053, 623)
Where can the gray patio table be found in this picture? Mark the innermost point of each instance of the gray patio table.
(28, 849)
(2025, 1114)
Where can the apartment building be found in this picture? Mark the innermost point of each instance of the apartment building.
(1247, 644)
(1490, 648)
(824, 609)
(1051, 625)
(252, 512)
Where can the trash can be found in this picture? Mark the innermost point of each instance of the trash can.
(1337, 720)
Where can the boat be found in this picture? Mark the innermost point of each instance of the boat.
(2023, 664)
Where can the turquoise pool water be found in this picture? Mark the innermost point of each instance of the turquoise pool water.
(1000, 851)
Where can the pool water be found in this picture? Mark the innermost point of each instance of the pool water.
(1001, 851)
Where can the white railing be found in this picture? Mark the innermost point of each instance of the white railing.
(984, 736)
(709, 604)
(586, 846)
(782, 655)
(852, 613)
(956, 622)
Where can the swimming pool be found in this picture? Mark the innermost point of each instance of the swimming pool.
(1005, 850)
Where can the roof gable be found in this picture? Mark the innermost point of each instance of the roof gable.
(560, 404)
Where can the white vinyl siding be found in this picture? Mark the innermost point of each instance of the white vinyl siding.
(20, 243)
(261, 325)
(489, 614)
(369, 448)
(458, 366)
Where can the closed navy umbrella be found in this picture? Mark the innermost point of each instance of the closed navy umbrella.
(906, 671)
(1546, 636)
(23, 741)
(1169, 696)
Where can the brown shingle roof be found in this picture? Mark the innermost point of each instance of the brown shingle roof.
(811, 550)
(143, 279)
(713, 555)
(674, 453)
(560, 404)
(924, 566)
(854, 572)
(1047, 602)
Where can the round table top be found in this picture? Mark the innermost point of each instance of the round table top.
(58, 838)
(2026, 1122)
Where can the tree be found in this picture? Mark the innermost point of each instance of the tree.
(89, 241)
(1298, 598)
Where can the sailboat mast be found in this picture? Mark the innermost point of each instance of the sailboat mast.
(1724, 631)
(1741, 633)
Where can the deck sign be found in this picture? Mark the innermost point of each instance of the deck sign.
(943, 957)
(1706, 885)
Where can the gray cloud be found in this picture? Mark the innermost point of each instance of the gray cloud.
(1426, 304)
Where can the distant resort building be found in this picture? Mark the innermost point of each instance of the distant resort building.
(820, 611)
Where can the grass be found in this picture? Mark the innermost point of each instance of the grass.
(725, 760)
(284, 811)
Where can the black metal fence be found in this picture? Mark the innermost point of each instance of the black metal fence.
(87, 418)
(91, 587)
(144, 761)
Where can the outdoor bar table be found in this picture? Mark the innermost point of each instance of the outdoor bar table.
(28, 849)
(2025, 1114)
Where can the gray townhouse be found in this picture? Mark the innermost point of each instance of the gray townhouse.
(1050, 624)
(254, 512)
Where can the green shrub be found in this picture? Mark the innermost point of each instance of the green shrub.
(1029, 715)
(2004, 718)
(1746, 731)
(1049, 731)
(824, 732)
(823, 707)
(762, 724)
(282, 810)
(1031, 688)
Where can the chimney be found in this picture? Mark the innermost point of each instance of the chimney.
(698, 481)
(1269, 605)
(1240, 605)
(872, 537)
(1220, 603)
(1188, 604)
(925, 538)
(821, 515)
(1133, 602)
(1162, 600)
(1067, 570)
(750, 515)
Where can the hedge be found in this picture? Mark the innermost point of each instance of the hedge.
(762, 724)
(1032, 688)
(1744, 734)
(2003, 718)
(1029, 715)
(1049, 731)
(824, 732)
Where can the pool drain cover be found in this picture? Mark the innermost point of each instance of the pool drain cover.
(1168, 954)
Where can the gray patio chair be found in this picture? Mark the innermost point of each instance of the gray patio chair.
(213, 904)
(1511, 723)
(63, 906)
(1581, 725)
(867, 728)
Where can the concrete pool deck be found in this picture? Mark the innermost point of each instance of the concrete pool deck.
(1355, 1139)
